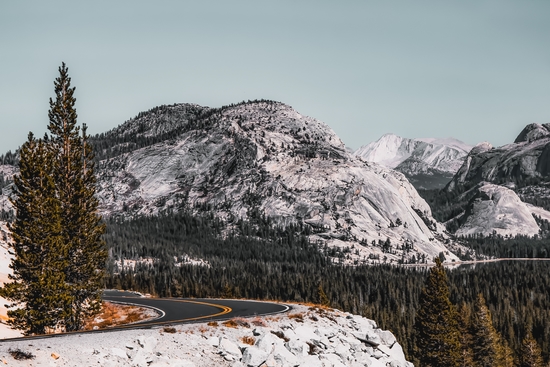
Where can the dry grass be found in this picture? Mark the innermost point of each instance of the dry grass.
(325, 312)
(113, 314)
(203, 329)
(212, 324)
(230, 323)
(248, 340)
(299, 317)
(169, 330)
(258, 321)
(236, 322)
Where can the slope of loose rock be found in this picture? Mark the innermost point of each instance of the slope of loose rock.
(306, 337)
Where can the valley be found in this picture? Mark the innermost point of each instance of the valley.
(254, 200)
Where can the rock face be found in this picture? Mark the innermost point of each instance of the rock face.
(263, 157)
(503, 187)
(427, 163)
(307, 337)
(497, 209)
(527, 158)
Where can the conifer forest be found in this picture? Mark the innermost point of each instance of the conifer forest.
(261, 261)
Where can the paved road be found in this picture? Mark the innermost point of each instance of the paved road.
(180, 311)
(186, 310)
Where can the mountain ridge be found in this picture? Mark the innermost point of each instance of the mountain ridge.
(264, 157)
(428, 162)
(502, 189)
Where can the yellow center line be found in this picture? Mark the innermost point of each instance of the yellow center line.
(224, 310)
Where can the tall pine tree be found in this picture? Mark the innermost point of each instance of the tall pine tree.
(530, 354)
(436, 324)
(75, 182)
(38, 287)
(466, 340)
(60, 255)
(488, 346)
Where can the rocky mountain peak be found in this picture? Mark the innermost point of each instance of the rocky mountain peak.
(480, 148)
(533, 132)
(427, 163)
(508, 181)
(264, 158)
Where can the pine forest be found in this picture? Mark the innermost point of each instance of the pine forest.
(261, 261)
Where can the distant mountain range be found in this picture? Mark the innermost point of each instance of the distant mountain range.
(427, 163)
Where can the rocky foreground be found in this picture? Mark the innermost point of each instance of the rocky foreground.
(306, 336)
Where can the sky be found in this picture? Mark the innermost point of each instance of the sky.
(474, 70)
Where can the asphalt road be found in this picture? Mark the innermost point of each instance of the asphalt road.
(187, 310)
(179, 311)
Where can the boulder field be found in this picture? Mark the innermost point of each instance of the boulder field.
(306, 336)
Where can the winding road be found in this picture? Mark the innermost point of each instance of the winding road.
(179, 311)
(187, 310)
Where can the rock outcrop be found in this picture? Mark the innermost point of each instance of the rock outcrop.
(528, 158)
(502, 188)
(497, 209)
(263, 158)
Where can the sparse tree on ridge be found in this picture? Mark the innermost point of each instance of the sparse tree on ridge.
(436, 326)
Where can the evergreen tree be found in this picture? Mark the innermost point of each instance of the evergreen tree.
(60, 256)
(37, 285)
(436, 326)
(75, 183)
(466, 342)
(487, 345)
(323, 298)
(530, 355)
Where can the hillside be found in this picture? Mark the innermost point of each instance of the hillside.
(306, 337)
(503, 190)
(263, 158)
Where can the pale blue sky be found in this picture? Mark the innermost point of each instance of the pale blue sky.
(474, 70)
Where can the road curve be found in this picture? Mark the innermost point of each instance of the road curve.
(179, 311)
(188, 310)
